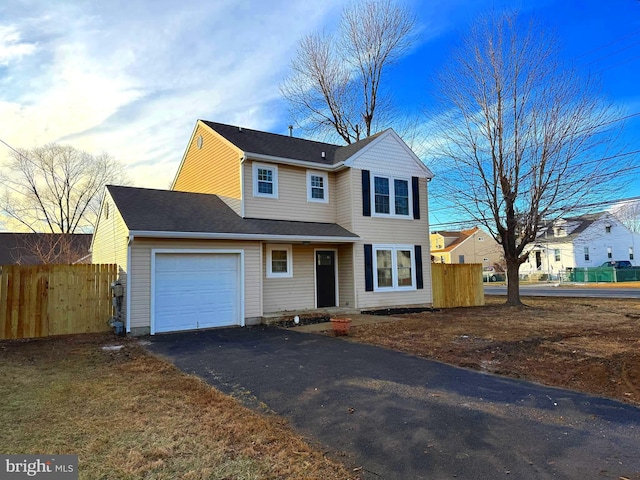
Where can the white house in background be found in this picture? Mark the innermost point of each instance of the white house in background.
(584, 241)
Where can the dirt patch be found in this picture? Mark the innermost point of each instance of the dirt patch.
(591, 345)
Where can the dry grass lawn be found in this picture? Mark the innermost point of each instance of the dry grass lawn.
(586, 344)
(129, 415)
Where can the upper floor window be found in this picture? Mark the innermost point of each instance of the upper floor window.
(391, 196)
(556, 253)
(265, 181)
(279, 261)
(586, 254)
(630, 253)
(607, 228)
(317, 187)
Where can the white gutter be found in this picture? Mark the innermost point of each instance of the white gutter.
(290, 161)
(243, 236)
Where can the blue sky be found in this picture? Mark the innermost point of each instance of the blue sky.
(132, 77)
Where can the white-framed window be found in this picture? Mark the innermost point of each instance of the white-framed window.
(391, 197)
(393, 267)
(556, 253)
(586, 254)
(607, 228)
(265, 180)
(609, 252)
(630, 253)
(317, 187)
(279, 261)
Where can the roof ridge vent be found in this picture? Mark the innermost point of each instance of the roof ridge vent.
(240, 129)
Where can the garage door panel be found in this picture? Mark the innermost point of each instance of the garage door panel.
(196, 291)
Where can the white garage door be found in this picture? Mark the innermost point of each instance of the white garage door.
(196, 290)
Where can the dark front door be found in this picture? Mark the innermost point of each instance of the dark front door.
(326, 278)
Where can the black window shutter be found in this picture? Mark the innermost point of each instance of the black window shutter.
(415, 185)
(368, 268)
(366, 193)
(418, 255)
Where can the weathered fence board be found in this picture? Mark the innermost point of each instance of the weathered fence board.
(457, 285)
(43, 300)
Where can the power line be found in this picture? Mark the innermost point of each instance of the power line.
(614, 53)
(612, 42)
(576, 207)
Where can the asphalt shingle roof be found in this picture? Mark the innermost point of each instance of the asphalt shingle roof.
(578, 225)
(284, 146)
(170, 211)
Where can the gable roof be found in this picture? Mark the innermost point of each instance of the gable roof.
(174, 213)
(579, 223)
(19, 247)
(257, 142)
(284, 146)
(460, 237)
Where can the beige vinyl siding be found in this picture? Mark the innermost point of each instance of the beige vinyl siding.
(297, 292)
(110, 243)
(344, 211)
(377, 230)
(215, 168)
(111, 236)
(475, 251)
(141, 274)
(346, 284)
(291, 203)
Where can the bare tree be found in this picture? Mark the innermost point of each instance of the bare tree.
(335, 85)
(55, 188)
(522, 137)
(629, 214)
(51, 248)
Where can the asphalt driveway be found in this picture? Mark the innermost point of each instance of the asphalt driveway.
(398, 416)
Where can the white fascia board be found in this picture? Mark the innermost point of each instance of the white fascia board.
(244, 236)
(291, 161)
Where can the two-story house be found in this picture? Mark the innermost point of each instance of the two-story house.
(582, 241)
(465, 246)
(257, 223)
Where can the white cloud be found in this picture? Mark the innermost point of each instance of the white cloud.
(11, 46)
(124, 78)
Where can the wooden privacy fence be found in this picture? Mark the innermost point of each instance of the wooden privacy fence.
(42, 300)
(457, 285)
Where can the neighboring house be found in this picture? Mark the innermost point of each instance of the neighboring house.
(258, 223)
(44, 248)
(583, 241)
(465, 246)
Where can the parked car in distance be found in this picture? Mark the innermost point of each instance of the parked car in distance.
(492, 274)
(617, 264)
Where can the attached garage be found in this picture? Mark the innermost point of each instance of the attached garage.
(196, 289)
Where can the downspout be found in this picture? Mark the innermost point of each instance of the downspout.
(243, 158)
(128, 297)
